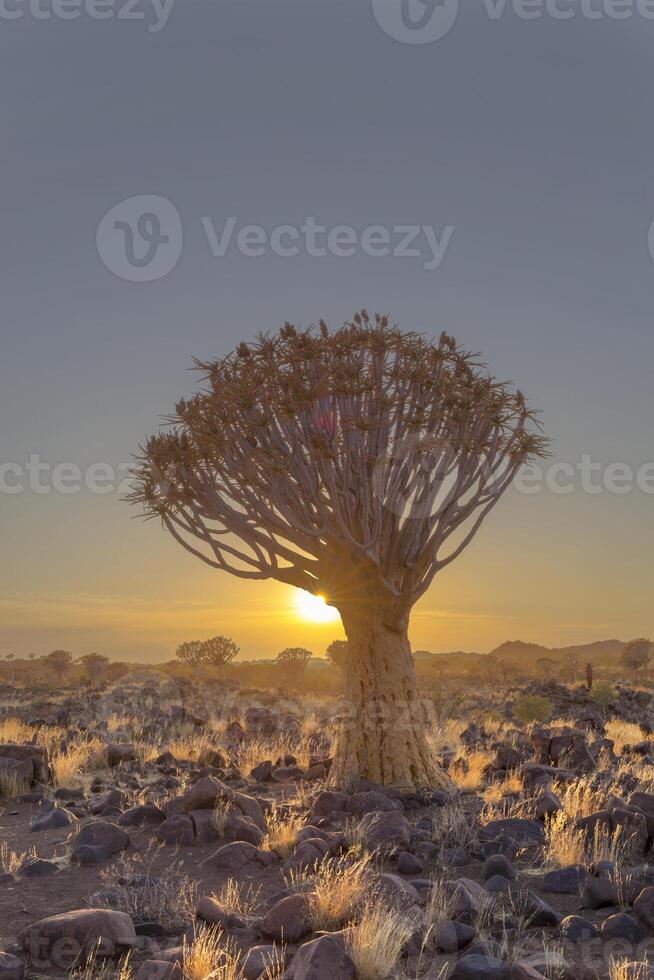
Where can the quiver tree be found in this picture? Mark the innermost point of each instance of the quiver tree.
(94, 665)
(190, 653)
(59, 661)
(218, 651)
(636, 654)
(355, 464)
(292, 662)
(336, 653)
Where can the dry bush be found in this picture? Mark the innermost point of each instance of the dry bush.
(237, 899)
(376, 940)
(453, 827)
(146, 897)
(496, 792)
(282, 828)
(336, 889)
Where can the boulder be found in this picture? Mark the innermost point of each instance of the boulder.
(288, 920)
(11, 967)
(386, 831)
(324, 958)
(111, 932)
(53, 819)
(177, 830)
(479, 967)
(233, 857)
(33, 753)
(103, 833)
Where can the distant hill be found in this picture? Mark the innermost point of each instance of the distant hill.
(601, 652)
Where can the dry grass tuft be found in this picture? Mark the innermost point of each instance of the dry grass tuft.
(97, 968)
(375, 942)
(237, 899)
(207, 957)
(12, 861)
(281, 831)
(469, 768)
(337, 889)
(147, 897)
(623, 733)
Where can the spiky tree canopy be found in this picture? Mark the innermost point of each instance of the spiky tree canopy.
(367, 445)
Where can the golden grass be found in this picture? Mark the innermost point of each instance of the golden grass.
(207, 957)
(565, 846)
(95, 968)
(15, 730)
(68, 765)
(336, 890)
(628, 970)
(12, 861)
(470, 774)
(623, 733)
(375, 942)
(243, 900)
(282, 829)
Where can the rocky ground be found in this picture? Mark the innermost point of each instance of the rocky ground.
(148, 834)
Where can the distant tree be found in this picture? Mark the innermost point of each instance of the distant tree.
(94, 665)
(293, 662)
(570, 668)
(547, 667)
(190, 653)
(636, 654)
(337, 653)
(11, 656)
(115, 672)
(218, 651)
(31, 656)
(59, 661)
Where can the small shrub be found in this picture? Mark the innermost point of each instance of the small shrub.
(532, 707)
(602, 693)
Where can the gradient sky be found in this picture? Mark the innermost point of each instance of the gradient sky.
(534, 139)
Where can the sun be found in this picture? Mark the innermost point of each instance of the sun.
(313, 608)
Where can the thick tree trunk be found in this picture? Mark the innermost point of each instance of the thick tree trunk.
(382, 737)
